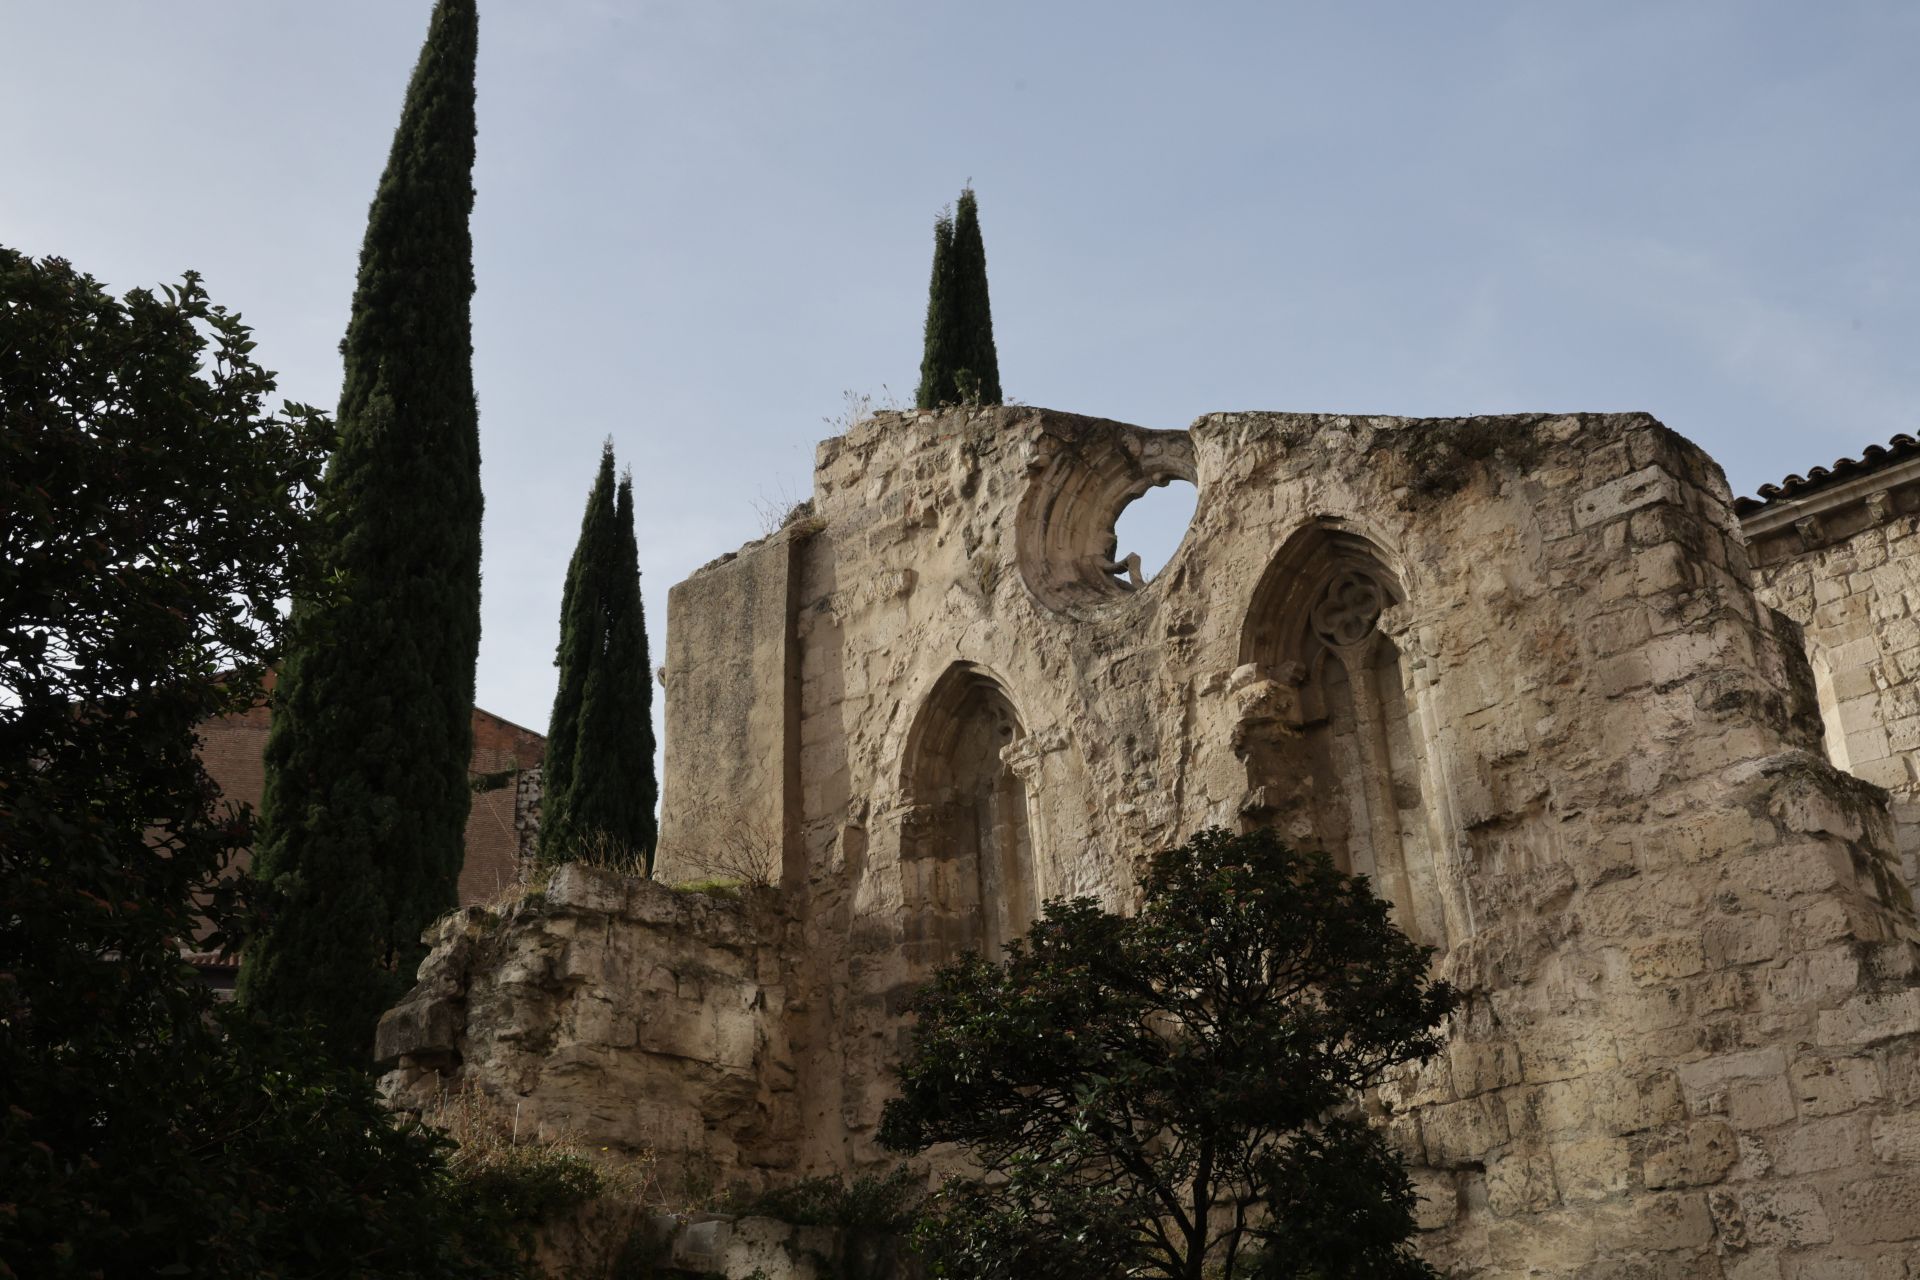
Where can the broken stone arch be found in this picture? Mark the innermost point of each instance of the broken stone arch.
(1075, 493)
(967, 839)
(1335, 737)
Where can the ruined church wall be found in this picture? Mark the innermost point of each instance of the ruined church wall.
(1513, 668)
(731, 714)
(1662, 902)
(1844, 563)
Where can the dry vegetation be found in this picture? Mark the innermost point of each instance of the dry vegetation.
(529, 1175)
(742, 851)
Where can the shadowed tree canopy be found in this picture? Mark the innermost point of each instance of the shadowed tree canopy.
(153, 515)
(1173, 1093)
(959, 365)
(599, 782)
(366, 795)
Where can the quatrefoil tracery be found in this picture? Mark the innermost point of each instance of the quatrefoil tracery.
(1349, 609)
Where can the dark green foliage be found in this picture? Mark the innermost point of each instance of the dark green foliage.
(1119, 1075)
(151, 517)
(960, 365)
(870, 1202)
(599, 782)
(366, 797)
(628, 729)
(582, 638)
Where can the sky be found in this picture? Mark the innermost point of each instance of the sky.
(700, 224)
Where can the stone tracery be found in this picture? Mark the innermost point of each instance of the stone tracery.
(1342, 767)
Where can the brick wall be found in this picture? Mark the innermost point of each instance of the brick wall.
(233, 748)
(500, 747)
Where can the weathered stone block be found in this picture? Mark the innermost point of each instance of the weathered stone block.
(1896, 1138)
(1436, 1199)
(1786, 1217)
(1479, 1066)
(1460, 1133)
(1878, 1209)
(419, 1029)
(1629, 493)
(1700, 1154)
(1760, 1104)
(1591, 1169)
(1519, 1181)
(1824, 1085)
(1871, 1019)
(1819, 1145)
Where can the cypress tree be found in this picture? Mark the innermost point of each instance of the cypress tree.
(600, 787)
(937, 355)
(582, 637)
(959, 364)
(630, 731)
(365, 805)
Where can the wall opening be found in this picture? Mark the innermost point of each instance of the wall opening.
(1833, 732)
(967, 845)
(1073, 557)
(1334, 752)
(1150, 529)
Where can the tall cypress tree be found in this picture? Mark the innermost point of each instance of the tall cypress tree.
(365, 805)
(937, 358)
(629, 733)
(959, 364)
(600, 787)
(582, 638)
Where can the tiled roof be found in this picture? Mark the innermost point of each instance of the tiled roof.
(1871, 459)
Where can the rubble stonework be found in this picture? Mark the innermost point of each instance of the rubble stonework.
(1514, 669)
(529, 794)
(648, 1018)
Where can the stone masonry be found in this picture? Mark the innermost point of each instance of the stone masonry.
(650, 1019)
(1840, 555)
(1514, 669)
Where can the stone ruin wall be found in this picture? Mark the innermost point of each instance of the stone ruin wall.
(650, 1020)
(1512, 668)
(1843, 561)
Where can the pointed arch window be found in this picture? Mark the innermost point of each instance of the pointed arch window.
(1330, 736)
(967, 845)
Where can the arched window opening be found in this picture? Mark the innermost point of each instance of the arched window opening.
(967, 849)
(1335, 756)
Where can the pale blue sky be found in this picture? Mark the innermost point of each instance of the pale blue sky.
(700, 222)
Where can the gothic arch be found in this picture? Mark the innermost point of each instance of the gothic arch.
(1331, 737)
(966, 847)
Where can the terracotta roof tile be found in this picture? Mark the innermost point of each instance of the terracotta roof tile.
(1871, 459)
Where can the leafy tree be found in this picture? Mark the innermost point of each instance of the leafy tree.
(960, 365)
(365, 804)
(1172, 1093)
(600, 787)
(152, 517)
